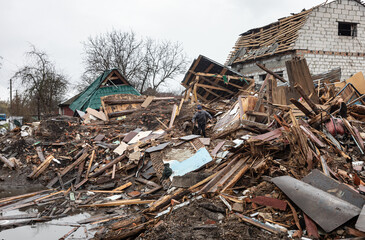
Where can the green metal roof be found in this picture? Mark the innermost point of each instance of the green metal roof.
(91, 96)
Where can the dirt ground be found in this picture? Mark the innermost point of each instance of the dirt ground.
(205, 219)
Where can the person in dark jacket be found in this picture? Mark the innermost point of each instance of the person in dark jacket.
(201, 117)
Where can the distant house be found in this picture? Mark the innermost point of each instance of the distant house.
(108, 83)
(328, 36)
(64, 107)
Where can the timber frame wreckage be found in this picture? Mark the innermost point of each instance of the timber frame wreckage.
(284, 156)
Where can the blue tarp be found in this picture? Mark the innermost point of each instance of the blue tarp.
(200, 158)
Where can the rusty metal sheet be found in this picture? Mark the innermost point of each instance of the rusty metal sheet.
(360, 224)
(272, 202)
(325, 209)
(317, 179)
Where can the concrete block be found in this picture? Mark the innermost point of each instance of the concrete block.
(337, 10)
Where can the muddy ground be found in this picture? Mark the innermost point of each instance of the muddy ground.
(205, 219)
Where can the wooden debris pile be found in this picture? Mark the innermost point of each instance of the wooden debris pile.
(290, 165)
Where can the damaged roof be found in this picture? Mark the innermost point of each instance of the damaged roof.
(273, 38)
(213, 80)
(108, 83)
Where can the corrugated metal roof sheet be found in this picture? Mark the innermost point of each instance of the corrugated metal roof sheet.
(95, 101)
(91, 96)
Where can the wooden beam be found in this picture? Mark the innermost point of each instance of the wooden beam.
(213, 87)
(215, 84)
(302, 108)
(271, 72)
(306, 98)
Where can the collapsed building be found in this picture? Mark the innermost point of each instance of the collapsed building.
(279, 161)
(328, 36)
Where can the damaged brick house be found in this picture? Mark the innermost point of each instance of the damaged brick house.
(328, 36)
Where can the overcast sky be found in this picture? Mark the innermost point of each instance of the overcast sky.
(58, 27)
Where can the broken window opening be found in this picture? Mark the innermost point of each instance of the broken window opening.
(280, 73)
(347, 29)
(262, 77)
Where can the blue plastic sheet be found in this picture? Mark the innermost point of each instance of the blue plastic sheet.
(200, 158)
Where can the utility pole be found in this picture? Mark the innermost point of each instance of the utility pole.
(11, 96)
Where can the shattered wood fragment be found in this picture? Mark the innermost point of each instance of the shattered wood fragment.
(126, 222)
(124, 186)
(81, 183)
(259, 224)
(7, 162)
(127, 233)
(302, 108)
(90, 164)
(312, 136)
(311, 227)
(272, 202)
(108, 165)
(354, 232)
(166, 200)
(147, 102)
(27, 195)
(69, 233)
(164, 125)
(38, 171)
(296, 219)
(222, 182)
(306, 98)
(119, 203)
(217, 148)
(97, 114)
(70, 167)
(79, 172)
(173, 115)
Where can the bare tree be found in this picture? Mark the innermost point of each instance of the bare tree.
(115, 49)
(163, 60)
(145, 63)
(43, 85)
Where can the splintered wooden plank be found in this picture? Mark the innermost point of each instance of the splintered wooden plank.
(216, 149)
(147, 102)
(258, 224)
(227, 176)
(97, 114)
(124, 186)
(69, 168)
(180, 106)
(173, 115)
(119, 203)
(7, 162)
(38, 171)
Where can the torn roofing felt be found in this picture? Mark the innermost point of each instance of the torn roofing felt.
(108, 83)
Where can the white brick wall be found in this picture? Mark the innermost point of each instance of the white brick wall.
(349, 65)
(322, 34)
(275, 64)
